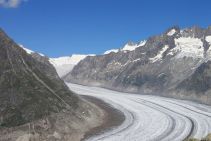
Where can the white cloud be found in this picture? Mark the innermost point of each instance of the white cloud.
(11, 3)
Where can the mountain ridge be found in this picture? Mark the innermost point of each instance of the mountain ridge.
(165, 61)
(35, 104)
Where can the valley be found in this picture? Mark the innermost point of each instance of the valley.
(151, 118)
(105, 70)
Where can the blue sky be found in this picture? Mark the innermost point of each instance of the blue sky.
(63, 27)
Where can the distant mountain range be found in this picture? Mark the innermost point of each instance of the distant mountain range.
(174, 64)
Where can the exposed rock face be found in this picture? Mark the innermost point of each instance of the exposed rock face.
(159, 66)
(35, 104)
(198, 85)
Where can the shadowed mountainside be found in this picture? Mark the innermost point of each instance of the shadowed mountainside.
(35, 104)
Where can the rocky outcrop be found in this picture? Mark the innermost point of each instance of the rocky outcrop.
(161, 65)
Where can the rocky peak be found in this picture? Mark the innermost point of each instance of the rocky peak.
(172, 31)
(193, 32)
(130, 43)
(130, 46)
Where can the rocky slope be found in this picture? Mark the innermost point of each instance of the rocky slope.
(35, 104)
(166, 64)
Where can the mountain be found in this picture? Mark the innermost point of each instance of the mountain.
(35, 104)
(111, 50)
(166, 64)
(132, 46)
(64, 65)
(30, 51)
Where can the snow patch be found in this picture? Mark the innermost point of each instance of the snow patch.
(30, 51)
(41, 54)
(26, 49)
(133, 46)
(208, 53)
(142, 43)
(136, 60)
(118, 64)
(112, 50)
(189, 47)
(208, 39)
(130, 47)
(159, 56)
(171, 32)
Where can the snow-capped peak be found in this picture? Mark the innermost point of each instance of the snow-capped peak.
(171, 32)
(64, 65)
(142, 43)
(26, 49)
(130, 46)
(30, 51)
(112, 50)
